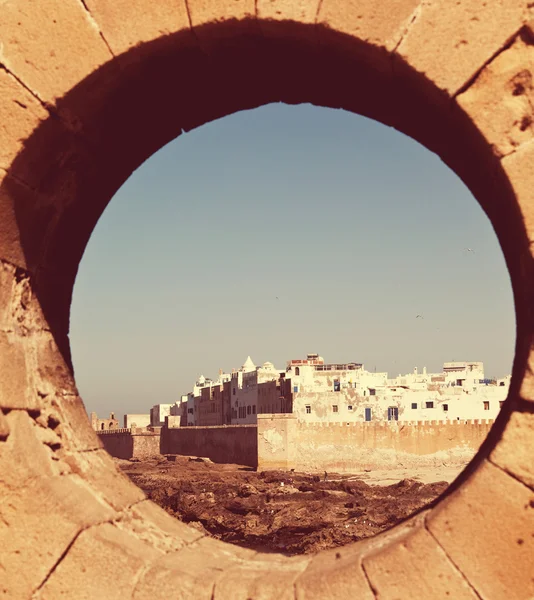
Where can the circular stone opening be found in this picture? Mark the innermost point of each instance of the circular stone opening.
(267, 232)
(51, 201)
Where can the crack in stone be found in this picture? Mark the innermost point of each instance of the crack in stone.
(416, 13)
(510, 474)
(374, 591)
(505, 46)
(97, 27)
(455, 565)
(35, 95)
(193, 31)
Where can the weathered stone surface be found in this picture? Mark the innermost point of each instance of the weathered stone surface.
(171, 533)
(98, 469)
(212, 12)
(254, 579)
(103, 562)
(193, 571)
(335, 574)
(415, 567)
(53, 376)
(485, 527)
(21, 114)
(15, 391)
(37, 523)
(74, 428)
(449, 42)
(18, 205)
(271, 13)
(514, 452)
(50, 45)
(501, 99)
(23, 455)
(127, 23)
(378, 23)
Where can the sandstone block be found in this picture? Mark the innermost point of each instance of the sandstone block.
(335, 574)
(415, 567)
(515, 449)
(239, 15)
(103, 562)
(21, 114)
(14, 385)
(500, 100)
(50, 45)
(167, 529)
(449, 42)
(37, 523)
(74, 428)
(485, 527)
(254, 579)
(128, 23)
(379, 24)
(193, 571)
(99, 471)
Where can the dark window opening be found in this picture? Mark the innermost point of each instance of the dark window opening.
(393, 413)
(372, 392)
(445, 407)
(334, 407)
(349, 406)
(337, 386)
(486, 405)
(297, 371)
(308, 409)
(368, 414)
(414, 405)
(429, 404)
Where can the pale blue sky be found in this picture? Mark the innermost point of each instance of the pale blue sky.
(355, 227)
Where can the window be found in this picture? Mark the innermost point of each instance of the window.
(486, 405)
(254, 410)
(414, 405)
(393, 413)
(308, 409)
(368, 414)
(334, 407)
(445, 408)
(501, 383)
(459, 381)
(349, 406)
(372, 392)
(295, 389)
(297, 371)
(429, 404)
(102, 426)
(337, 386)
(248, 410)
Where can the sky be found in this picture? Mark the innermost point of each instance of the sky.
(281, 231)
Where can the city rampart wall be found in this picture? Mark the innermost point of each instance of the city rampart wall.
(222, 444)
(287, 443)
(127, 443)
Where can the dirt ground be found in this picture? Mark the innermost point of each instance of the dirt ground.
(275, 511)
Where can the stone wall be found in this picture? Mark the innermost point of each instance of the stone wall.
(128, 444)
(286, 443)
(222, 444)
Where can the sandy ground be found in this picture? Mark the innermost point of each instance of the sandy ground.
(276, 511)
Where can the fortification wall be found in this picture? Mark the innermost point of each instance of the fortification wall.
(127, 444)
(286, 443)
(222, 444)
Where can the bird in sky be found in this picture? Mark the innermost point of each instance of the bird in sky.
(419, 317)
(277, 298)
(469, 250)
